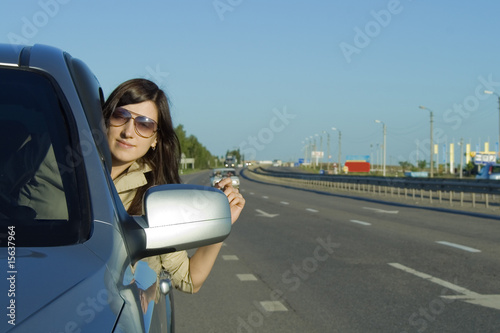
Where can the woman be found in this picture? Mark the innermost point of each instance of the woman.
(146, 152)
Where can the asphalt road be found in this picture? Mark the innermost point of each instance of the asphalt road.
(298, 261)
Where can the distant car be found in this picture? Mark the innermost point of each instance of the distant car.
(230, 161)
(489, 171)
(70, 251)
(218, 174)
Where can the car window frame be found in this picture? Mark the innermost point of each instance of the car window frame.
(77, 229)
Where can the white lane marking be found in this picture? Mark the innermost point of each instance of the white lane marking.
(273, 306)
(230, 257)
(284, 203)
(263, 213)
(265, 197)
(377, 210)
(458, 246)
(489, 301)
(433, 279)
(246, 277)
(361, 222)
(251, 193)
(312, 210)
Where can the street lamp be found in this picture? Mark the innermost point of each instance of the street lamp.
(340, 147)
(307, 149)
(493, 93)
(328, 150)
(312, 149)
(316, 149)
(385, 150)
(321, 148)
(461, 144)
(432, 143)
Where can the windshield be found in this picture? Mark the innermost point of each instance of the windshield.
(224, 173)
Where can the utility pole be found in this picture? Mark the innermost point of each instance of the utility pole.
(432, 142)
(384, 147)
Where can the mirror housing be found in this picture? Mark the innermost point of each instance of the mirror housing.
(181, 217)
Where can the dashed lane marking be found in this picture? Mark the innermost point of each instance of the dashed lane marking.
(458, 246)
(468, 296)
(360, 222)
(246, 277)
(264, 214)
(273, 306)
(230, 257)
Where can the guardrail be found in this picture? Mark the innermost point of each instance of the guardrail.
(439, 189)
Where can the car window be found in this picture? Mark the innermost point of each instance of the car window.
(495, 169)
(38, 178)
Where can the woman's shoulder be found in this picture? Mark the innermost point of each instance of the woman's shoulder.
(139, 166)
(133, 178)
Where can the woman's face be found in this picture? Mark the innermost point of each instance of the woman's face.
(125, 144)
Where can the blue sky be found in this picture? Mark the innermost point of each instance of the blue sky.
(265, 76)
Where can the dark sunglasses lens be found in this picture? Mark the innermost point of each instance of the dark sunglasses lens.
(119, 117)
(145, 126)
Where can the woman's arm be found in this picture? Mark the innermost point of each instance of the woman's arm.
(203, 260)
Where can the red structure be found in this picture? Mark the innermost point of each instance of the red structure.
(358, 166)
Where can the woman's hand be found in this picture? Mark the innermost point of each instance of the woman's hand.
(236, 200)
(201, 263)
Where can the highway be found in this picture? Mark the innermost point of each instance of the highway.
(299, 261)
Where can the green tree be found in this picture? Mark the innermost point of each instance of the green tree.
(192, 148)
(422, 164)
(470, 167)
(405, 165)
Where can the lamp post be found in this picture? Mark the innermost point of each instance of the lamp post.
(493, 93)
(312, 149)
(328, 150)
(384, 148)
(432, 143)
(340, 148)
(461, 143)
(372, 160)
(321, 148)
(307, 148)
(316, 150)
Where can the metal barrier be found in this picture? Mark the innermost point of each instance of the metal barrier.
(433, 189)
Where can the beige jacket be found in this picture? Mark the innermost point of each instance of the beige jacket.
(176, 263)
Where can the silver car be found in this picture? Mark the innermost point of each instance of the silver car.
(70, 251)
(218, 174)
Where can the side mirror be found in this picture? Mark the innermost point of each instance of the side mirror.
(181, 217)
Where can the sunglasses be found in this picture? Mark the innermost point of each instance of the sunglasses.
(144, 127)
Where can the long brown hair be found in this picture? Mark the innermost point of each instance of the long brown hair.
(164, 160)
